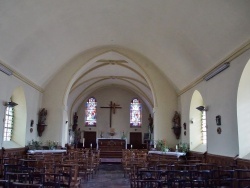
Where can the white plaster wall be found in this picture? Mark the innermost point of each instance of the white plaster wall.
(220, 95)
(33, 102)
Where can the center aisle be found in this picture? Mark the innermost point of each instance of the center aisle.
(110, 175)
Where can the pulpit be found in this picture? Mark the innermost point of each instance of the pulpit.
(111, 147)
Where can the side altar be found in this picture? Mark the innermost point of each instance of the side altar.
(111, 147)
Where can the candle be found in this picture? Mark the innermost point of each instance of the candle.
(176, 147)
(83, 140)
(131, 146)
(91, 145)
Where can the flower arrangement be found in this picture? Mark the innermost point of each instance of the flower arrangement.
(35, 144)
(123, 135)
(184, 147)
(52, 144)
(161, 145)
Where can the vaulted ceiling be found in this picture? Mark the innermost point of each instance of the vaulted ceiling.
(183, 38)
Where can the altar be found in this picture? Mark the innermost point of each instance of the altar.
(175, 154)
(111, 147)
(46, 151)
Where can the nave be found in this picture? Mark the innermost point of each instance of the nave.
(110, 175)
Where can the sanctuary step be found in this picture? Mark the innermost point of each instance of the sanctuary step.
(111, 148)
(111, 160)
(110, 154)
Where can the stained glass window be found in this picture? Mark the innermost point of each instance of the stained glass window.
(135, 113)
(8, 123)
(90, 112)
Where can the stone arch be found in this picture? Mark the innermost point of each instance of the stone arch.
(53, 100)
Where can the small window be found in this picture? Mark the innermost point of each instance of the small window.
(135, 113)
(8, 123)
(90, 112)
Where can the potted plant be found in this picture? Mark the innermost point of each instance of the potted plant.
(184, 147)
(161, 145)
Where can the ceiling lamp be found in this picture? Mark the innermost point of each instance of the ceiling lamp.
(216, 71)
(5, 70)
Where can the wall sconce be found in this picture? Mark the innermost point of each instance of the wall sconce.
(218, 120)
(10, 104)
(202, 108)
(184, 126)
(192, 121)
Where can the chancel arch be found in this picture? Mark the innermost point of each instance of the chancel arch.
(197, 142)
(243, 111)
(158, 88)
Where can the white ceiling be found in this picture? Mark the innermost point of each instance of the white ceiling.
(181, 37)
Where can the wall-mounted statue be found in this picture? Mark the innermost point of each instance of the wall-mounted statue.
(176, 125)
(151, 126)
(42, 116)
(75, 122)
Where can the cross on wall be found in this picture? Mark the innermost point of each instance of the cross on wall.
(112, 107)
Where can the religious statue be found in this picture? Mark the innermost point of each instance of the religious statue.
(151, 126)
(176, 120)
(75, 123)
(42, 116)
(41, 121)
(177, 125)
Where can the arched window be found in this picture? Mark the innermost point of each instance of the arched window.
(198, 126)
(135, 113)
(8, 123)
(90, 112)
(203, 127)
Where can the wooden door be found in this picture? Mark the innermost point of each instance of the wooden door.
(136, 140)
(90, 138)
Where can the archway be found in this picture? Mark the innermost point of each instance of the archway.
(243, 111)
(196, 122)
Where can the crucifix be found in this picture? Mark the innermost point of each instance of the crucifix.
(112, 106)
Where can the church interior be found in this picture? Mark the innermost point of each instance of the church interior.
(113, 75)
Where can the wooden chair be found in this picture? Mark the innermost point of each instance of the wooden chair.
(3, 183)
(18, 184)
(148, 183)
(242, 178)
(201, 178)
(65, 172)
(149, 174)
(223, 177)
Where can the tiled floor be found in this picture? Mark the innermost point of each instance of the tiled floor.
(110, 175)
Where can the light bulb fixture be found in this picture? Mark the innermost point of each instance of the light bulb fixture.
(201, 108)
(5, 70)
(10, 104)
(216, 71)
